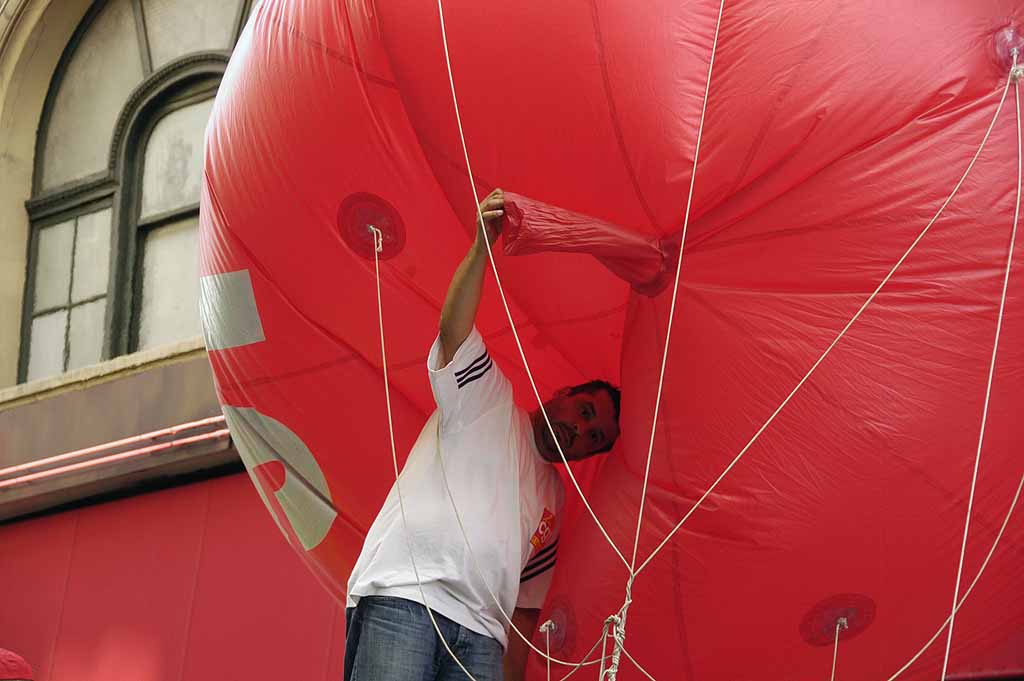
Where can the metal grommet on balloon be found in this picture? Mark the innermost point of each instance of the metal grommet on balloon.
(563, 629)
(855, 611)
(1004, 42)
(362, 211)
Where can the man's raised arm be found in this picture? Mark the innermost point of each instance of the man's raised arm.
(460, 304)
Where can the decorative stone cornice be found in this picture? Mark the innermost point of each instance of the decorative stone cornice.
(187, 67)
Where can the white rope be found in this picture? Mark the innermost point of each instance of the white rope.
(589, 653)
(504, 301)
(637, 664)
(675, 289)
(378, 243)
(546, 628)
(835, 653)
(604, 648)
(619, 636)
(970, 588)
(967, 592)
(988, 386)
(619, 623)
(842, 333)
(840, 624)
(935, 636)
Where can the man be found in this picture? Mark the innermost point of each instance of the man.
(496, 460)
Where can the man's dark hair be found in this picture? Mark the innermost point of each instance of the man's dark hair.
(595, 386)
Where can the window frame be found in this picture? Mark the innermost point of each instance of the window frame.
(159, 93)
(193, 91)
(30, 312)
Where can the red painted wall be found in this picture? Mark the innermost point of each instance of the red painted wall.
(194, 583)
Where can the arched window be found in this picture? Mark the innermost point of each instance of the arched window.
(112, 255)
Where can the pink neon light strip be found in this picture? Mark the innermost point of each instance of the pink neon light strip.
(78, 453)
(130, 454)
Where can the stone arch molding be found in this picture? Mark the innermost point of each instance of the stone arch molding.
(150, 90)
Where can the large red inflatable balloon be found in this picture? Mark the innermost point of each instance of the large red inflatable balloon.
(834, 132)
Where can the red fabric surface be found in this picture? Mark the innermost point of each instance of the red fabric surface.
(834, 132)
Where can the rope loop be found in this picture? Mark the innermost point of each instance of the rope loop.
(378, 238)
(546, 629)
(617, 623)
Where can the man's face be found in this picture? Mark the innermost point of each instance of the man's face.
(584, 424)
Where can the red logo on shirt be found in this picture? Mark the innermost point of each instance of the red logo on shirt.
(544, 530)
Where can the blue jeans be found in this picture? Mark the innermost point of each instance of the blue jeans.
(392, 639)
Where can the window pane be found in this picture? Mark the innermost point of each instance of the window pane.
(85, 336)
(46, 350)
(169, 309)
(53, 265)
(173, 168)
(104, 69)
(92, 257)
(177, 27)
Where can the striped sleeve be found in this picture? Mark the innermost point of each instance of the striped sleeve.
(541, 562)
(469, 385)
(535, 578)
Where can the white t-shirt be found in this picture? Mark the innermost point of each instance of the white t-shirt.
(509, 498)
